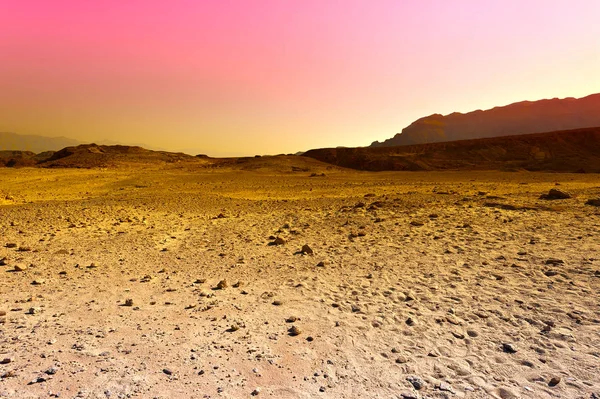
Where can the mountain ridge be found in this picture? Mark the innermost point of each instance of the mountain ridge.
(524, 117)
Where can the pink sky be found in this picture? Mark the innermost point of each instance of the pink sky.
(272, 76)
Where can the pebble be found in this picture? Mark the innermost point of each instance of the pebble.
(128, 302)
(509, 348)
(168, 371)
(294, 330)
(554, 381)
(7, 360)
(255, 392)
(222, 285)
(20, 268)
(277, 302)
(416, 382)
(278, 241)
(306, 250)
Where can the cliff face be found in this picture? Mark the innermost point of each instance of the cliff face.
(515, 119)
(564, 151)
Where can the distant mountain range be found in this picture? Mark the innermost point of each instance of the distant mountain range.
(33, 143)
(515, 119)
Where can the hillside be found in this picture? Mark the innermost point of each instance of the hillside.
(563, 151)
(515, 119)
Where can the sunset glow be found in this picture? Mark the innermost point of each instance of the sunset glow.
(268, 76)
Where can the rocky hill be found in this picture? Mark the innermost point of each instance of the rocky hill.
(515, 119)
(563, 151)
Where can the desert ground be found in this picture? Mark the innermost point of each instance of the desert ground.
(317, 282)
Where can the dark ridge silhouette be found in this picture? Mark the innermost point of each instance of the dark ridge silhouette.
(94, 156)
(564, 151)
(515, 119)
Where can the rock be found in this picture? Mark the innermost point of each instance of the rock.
(321, 264)
(416, 382)
(20, 268)
(550, 273)
(409, 395)
(291, 319)
(554, 381)
(306, 250)
(509, 348)
(445, 387)
(222, 285)
(593, 202)
(278, 241)
(51, 371)
(128, 302)
(472, 333)
(401, 359)
(10, 245)
(555, 194)
(410, 322)
(168, 371)
(3, 262)
(7, 360)
(33, 310)
(416, 223)
(294, 331)
(277, 302)
(38, 281)
(37, 381)
(255, 392)
(554, 261)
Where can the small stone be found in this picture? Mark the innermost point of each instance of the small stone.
(222, 285)
(277, 302)
(20, 268)
(472, 333)
(410, 322)
(555, 194)
(128, 302)
(51, 371)
(278, 241)
(409, 395)
(255, 392)
(401, 359)
(7, 360)
(321, 264)
(554, 261)
(168, 371)
(593, 202)
(306, 250)
(10, 245)
(416, 223)
(38, 282)
(291, 319)
(37, 381)
(416, 382)
(294, 331)
(33, 311)
(509, 348)
(554, 381)
(445, 387)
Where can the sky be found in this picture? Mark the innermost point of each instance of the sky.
(246, 77)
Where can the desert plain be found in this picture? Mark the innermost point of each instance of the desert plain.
(288, 278)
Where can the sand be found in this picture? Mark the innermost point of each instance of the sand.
(167, 283)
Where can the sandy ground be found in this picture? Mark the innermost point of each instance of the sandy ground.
(420, 285)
